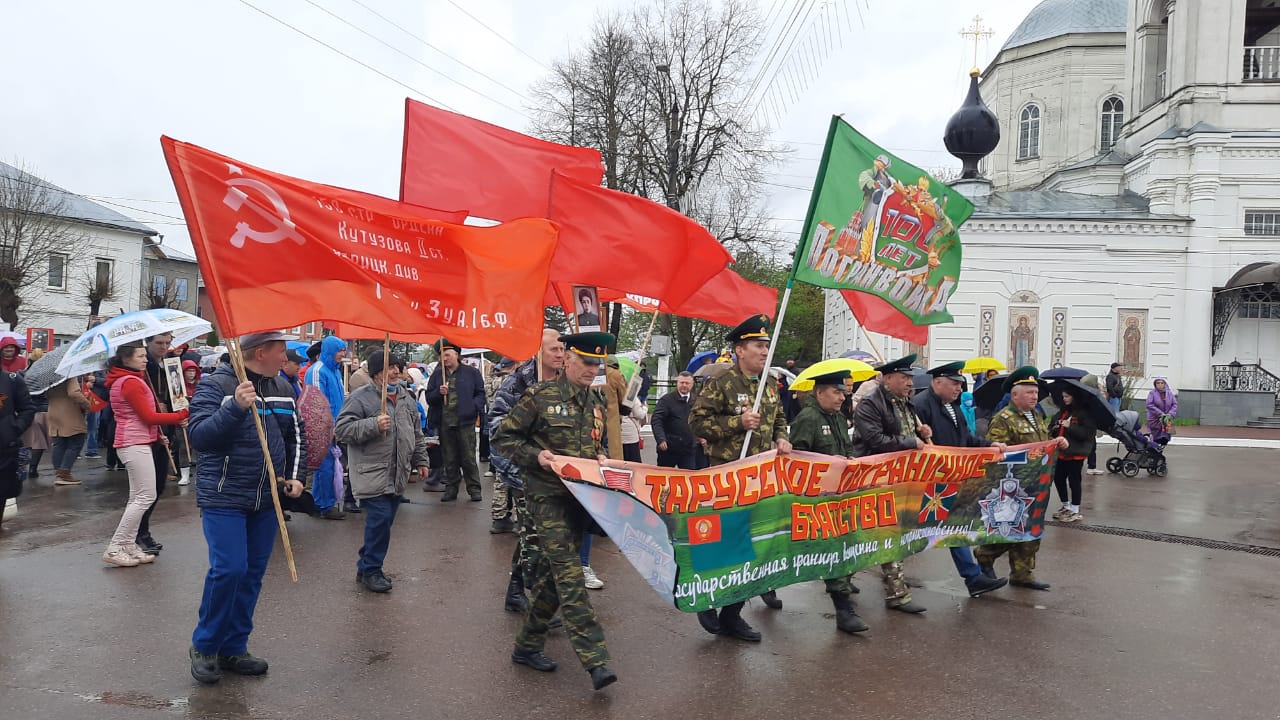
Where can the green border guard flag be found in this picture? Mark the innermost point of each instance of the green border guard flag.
(879, 225)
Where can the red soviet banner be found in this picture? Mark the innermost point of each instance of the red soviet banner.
(277, 251)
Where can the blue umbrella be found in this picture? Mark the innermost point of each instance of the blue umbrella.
(701, 359)
(1064, 373)
(298, 345)
(862, 355)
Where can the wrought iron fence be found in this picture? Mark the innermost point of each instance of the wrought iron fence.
(1253, 378)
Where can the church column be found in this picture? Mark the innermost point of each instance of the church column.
(1197, 316)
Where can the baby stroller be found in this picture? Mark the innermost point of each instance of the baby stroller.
(1142, 453)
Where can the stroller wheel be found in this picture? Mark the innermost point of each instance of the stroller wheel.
(1129, 468)
(1113, 465)
(1162, 468)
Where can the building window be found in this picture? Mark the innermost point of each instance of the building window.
(1029, 133)
(1262, 222)
(1260, 310)
(159, 284)
(58, 271)
(102, 272)
(1261, 41)
(180, 289)
(1112, 119)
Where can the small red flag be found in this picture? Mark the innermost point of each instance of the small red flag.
(630, 243)
(277, 251)
(877, 315)
(451, 160)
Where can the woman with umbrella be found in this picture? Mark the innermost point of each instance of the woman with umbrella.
(137, 428)
(1075, 423)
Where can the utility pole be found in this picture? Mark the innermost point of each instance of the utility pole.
(673, 202)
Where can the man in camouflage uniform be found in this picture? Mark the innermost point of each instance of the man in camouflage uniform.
(821, 428)
(1018, 423)
(560, 417)
(885, 422)
(501, 509)
(723, 415)
(546, 366)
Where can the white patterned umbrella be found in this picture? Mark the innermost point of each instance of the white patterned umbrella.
(43, 373)
(90, 351)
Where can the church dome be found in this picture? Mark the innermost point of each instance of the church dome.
(1054, 18)
(973, 131)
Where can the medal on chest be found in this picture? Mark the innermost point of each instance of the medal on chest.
(597, 425)
(826, 429)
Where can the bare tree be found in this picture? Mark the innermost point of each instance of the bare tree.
(33, 225)
(157, 295)
(97, 287)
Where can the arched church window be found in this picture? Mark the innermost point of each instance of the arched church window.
(1112, 119)
(1029, 133)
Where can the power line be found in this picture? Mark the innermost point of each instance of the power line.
(388, 45)
(485, 25)
(361, 63)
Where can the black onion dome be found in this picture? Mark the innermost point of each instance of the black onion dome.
(973, 132)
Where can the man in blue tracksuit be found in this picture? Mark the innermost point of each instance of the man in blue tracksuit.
(326, 374)
(233, 492)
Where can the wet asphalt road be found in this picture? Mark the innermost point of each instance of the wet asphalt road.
(1133, 628)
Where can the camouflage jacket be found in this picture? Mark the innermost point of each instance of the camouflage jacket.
(716, 416)
(821, 432)
(1012, 427)
(555, 416)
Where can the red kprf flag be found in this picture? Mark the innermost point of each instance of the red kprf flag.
(451, 160)
(277, 251)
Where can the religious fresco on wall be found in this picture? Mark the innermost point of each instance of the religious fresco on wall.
(1023, 328)
(1131, 341)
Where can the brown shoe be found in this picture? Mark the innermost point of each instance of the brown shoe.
(63, 477)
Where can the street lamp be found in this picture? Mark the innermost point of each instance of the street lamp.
(1233, 369)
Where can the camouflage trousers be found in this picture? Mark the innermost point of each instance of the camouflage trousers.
(1022, 558)
(840, 585)
(558, 582)
(501, 508)
(895, 585)
(524, 558)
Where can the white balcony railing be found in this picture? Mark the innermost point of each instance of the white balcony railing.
(1262, 63)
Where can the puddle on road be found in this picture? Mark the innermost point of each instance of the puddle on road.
(140, 701)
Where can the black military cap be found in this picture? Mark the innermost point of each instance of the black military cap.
(1025, 375)
(836, 378)
(446, 345)
(592, 347)
(901, 365)
(294, 356)
(755, 327)
(950, 371)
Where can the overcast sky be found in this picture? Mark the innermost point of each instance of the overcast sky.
(90, 86)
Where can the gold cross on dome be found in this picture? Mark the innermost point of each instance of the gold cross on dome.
(977, 32)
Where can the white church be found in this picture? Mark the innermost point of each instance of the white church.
(1131, 209)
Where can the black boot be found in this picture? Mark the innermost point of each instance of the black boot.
(35, 462)
(516, 601)
(732, 624)
(846, 619)
(602, 677)
(771, 600)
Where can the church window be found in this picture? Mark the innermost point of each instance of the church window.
(1262, 222)
(1112, 119)
(1029, 133)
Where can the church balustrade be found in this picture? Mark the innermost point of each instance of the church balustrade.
(1262, 63)
(1239, 376)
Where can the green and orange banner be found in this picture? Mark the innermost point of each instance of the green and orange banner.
(706, 538)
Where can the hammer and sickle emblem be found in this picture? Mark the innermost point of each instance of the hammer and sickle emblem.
(284, 229)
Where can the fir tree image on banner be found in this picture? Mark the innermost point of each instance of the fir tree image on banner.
(882, 226)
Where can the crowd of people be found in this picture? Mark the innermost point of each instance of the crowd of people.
(347, 437)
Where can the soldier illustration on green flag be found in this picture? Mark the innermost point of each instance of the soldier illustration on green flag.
(882, 226)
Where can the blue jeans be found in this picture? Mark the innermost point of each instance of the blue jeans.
(240, 544)
(965, 564)
(379, 514)
(65, 450)
(585, 553)
(1114, 403)
(91, 442)
(322, 486)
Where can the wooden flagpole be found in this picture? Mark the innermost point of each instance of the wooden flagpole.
(237, 362)
(386, 362)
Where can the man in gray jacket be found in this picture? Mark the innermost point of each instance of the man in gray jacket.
(384, 446)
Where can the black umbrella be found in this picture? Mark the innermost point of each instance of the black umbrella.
(1084, 398)
(1063, 373)
(991, 392)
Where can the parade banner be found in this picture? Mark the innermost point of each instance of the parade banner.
(706, 538)
(879, 225)
(725, 299)
(277, 251)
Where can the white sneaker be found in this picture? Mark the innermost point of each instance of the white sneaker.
(116, 555)
(1075, 516)
(488, 473)
(185, 477)
(593, 582)
(1094, 471)
(1063, 514)
(136, 552)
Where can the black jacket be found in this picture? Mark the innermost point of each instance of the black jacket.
(876, 426)
(670, 422)
(16, 413)
(1080, 431)
(945, 432)
(1115, 386)
(469, 386)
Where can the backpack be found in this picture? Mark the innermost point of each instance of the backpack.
(317, 424)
